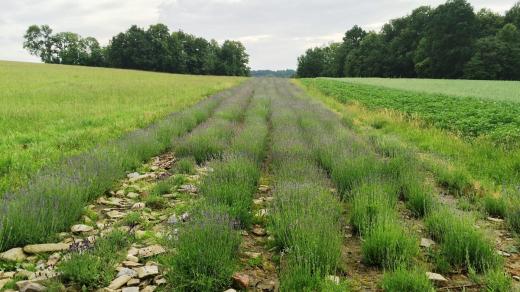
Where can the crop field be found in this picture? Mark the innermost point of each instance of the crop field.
(49, 112)
(483, 89)
(270, 185)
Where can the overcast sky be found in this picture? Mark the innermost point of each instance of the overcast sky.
(275, 32)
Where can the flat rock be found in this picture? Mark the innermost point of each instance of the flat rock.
(131, 264)
(147, 271)
(497, 220)
(13, 255)
(116, 202)
(435, 277)
(231, 290)
(46, 247)
(334, 279)
(133, 175)
(119, 282)
(258, 231)
(114, 214)
(266, 286)
(126, 272)
(188, 188)
(426, 242)
(132, 258)
(263, 188)
(132, 195)
(149, 289)
(138, 206)
(253, 255)
(240, 280)
(133, 251)
(133, 282)
(138, 177)
(151, 250)
(79, 228)
(130, 289)
(28, 286)
(3, 282)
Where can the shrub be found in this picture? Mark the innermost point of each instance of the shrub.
(497, 281)
(233, 184)
(95, 267)
(369, 203)
(206, 252)
(461, 244)
(155, 202)
(132, 219)
(185, 165)
(353, 172)
(495, 207)
(420, 200)
(388, 245)
(403, 279)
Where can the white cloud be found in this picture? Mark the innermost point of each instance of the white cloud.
(274, 32)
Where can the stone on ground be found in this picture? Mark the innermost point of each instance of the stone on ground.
(46, 247)
(13, 255)
(435, 277)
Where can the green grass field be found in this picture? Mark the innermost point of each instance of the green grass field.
(317, 193)
(484, 89)
(51, 111)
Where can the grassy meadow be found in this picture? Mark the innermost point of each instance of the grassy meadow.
(53, 111)
(269, 184)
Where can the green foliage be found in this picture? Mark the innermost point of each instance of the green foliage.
(448, 41)
(388, 245)
(233, 184)
(497, 281)
(155, 202)
(403, 279)
(49, 129)
(95, 267)
(206, 252)
(370, 203)
(57, 194)
(468, 116)
(495, 206)
(185, 165)
(462, 244)
(132, 219)
(154, 49)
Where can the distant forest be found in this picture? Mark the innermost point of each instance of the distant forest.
(449, 41)
(288, 73)
(153, 49)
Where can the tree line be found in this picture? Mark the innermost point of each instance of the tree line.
(152, 49)
(287, 73)
(449, 41)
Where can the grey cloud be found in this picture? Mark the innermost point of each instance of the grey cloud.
(274, 32)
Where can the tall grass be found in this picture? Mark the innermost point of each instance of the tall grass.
(55, 197)
(50, 112)
(208, 246)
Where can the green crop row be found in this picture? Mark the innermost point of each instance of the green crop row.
(207, 248)
(305, 219)
(373, 184)
(470, 117)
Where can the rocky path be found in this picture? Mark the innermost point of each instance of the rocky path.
(139, 270)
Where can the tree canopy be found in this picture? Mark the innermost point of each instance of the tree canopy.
(449, 41)
(153, 49)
